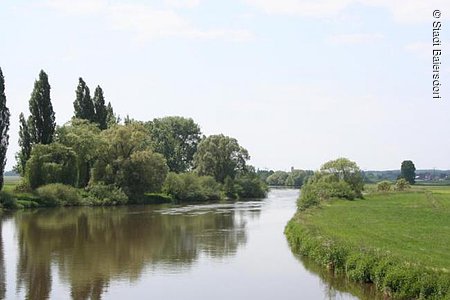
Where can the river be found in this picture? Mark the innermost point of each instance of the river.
(234, 250)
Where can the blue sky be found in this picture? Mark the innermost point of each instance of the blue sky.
(296, 82)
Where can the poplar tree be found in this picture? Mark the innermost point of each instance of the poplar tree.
(100, 109)
(111, 118)
(83, 105)
(4, 127)
(25, 144)
(42, 117)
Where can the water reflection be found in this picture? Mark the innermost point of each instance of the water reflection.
(333, 285)
(92, 246)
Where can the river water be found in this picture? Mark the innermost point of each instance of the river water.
(233, 250)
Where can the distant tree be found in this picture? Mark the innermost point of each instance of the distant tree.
(278, 178)
(4, 127)
(221, 157)
(296, 178)
(345, 170)
(177, 139)
(101, 113)
(264, 174)
(83, 105)
(408, 171)
(42, 117)
(25, 144)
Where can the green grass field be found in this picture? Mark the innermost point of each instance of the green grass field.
(400, 241)
(414, 226)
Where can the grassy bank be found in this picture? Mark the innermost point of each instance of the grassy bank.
(399, 241)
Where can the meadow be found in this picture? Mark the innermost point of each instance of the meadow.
(398, 240)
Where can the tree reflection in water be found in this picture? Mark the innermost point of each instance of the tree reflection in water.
(92, 246)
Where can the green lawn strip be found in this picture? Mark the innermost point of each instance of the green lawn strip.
(399, 241)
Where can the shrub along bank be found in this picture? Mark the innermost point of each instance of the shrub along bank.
(395, 240)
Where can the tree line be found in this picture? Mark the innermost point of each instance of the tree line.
(105, 161)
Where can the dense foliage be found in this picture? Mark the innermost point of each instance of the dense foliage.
(408, 171)
(84, 139)
(191, 187)
(105, 195)
(54, 163)
(220, 156)
(114, 164)
(177, 139)
(127, 160)
(294, 178)
(340, 178)
(57, 194)
(42, 117)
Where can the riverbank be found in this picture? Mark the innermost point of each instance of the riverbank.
(178, 188)
(398, 241)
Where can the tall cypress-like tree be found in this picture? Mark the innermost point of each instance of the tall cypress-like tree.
(4, 127)
(42, 117)
(25, 144)
(100, 108)
(111, 118)
(83, 105)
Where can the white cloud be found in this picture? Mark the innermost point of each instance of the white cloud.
(77, 7)
(355, 38)
(182, 3)
(146, 22)
(410, 11)
(311, 8)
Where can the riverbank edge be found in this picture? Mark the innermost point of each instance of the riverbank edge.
(391, 276)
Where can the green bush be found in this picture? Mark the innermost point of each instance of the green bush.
(384, 186)
(250, 186)
(322, 187)
(105, 195)
(58, 194)
(7, 200)
(192, 188)
(402, 185)
(53, 163)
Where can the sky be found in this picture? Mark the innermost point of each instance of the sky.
(296, 82)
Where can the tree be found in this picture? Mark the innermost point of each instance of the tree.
(4, 127)
(177, 139)
(53, 163)
(296, 178)
(127, 161)
(83, 105)
(111, 118)
(42, 118)
(221, 157)
(101, 113)
(25, 144)
(345, 170)
(408, 171)
(278, 178)
(84, 138)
